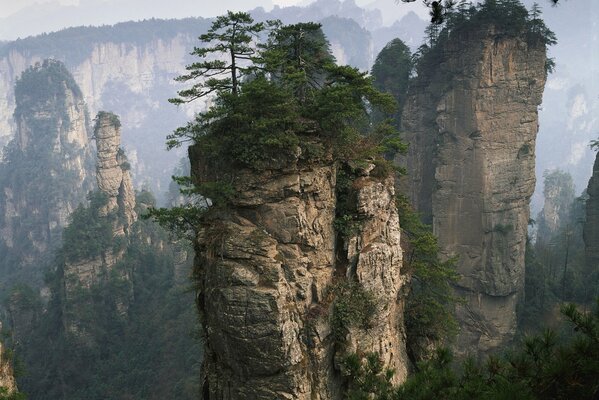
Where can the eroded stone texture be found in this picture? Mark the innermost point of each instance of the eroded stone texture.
(7, 377)
(375, 258)
(113, 180)
(46, 171)
(471, 121)
(265, 269)
(112, 174)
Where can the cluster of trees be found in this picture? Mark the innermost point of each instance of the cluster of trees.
(508, 16)
(541, 367)
(556, 270)
(274, 101)
(441, 9)
(148, 351)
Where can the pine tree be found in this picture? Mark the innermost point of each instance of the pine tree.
(391, 73)
(298, 56)
(232, 38)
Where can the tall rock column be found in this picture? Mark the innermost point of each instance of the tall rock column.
(46, 168)
(112, 172)
(471, 121)
(266, 271)
(591, 226)
(117, 206)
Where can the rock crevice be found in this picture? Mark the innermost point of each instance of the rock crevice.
(265, 270)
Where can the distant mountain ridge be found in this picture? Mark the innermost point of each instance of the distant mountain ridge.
(128, 68)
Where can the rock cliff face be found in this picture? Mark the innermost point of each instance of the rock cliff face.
(471, 121)
(112, 172)
(267, 270)
(7, 377)
(46, 171)
(591, 226)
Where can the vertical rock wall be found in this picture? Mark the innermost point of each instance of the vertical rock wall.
(46, 171)
(471, 121)
(265, 270)
(112, 172)
(591, 226)
(114, 182)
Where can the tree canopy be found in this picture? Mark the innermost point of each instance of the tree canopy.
(440, 9)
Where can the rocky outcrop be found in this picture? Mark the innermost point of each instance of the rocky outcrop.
(591, 225)
(374, 260)
(267, 270)
(46, 171)
(112, 172)
(471, 121)
(7, 377)
(117, 207)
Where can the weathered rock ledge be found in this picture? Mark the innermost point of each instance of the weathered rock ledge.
(265, 270)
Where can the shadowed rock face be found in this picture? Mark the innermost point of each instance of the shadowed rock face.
(265, 270)
(46, 170)
(591, 226)
(471, 121)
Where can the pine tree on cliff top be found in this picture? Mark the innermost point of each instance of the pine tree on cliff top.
(289, 89)
(232, 37)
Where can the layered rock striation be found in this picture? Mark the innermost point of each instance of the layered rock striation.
(116, 207)
(268, 271)
(112, 172)
(471, 121)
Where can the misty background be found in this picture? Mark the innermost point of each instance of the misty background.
(568, 115)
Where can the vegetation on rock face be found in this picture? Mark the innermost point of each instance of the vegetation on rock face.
(88, 234)
(391, 73)
(6, 395)
(429, 306)
(508, 17)
(273, 102)
(146, 351)
(36, 170)
(353, 307)
(113, 118)
(442, 9)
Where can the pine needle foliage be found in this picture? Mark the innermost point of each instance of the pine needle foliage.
(541, 367)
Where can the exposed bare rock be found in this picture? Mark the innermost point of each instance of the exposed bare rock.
(471, 121)
(7, 377)
(266, 269)
(118, 208)
(112, 172)
(46, 171)
(374, 259)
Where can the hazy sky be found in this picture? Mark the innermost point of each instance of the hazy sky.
(21, 18)
(8, 7)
